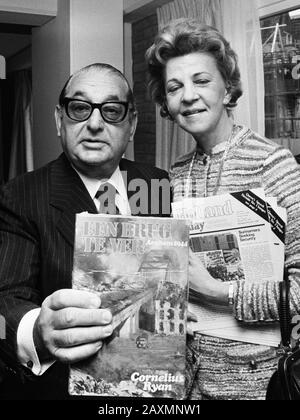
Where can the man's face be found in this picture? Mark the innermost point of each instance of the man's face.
(94, 146)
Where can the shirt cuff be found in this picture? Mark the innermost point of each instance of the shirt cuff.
(26, 349)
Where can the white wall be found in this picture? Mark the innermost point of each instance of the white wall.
(269, 7)
(130, 5)
(50, 70)
(265, 6)
(96, 33)
(29, 6)
(138, 9)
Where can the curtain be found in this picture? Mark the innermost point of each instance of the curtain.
(206, 10)
(242, 29)
(239, 22)
(21, 155)
(171, 140)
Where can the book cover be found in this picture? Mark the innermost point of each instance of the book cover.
(138, 266)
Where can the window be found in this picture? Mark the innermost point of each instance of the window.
(170, 314)
(181, 329)
(231, 241)
(281, 56)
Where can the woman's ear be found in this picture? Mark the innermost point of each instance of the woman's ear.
(227, 97)
(164, 111)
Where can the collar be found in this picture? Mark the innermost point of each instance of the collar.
(93, 185)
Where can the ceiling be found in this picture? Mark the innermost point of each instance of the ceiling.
(14, 38)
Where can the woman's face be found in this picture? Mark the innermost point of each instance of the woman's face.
(196, 94)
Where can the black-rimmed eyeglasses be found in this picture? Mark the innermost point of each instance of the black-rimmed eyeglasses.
(112, 112)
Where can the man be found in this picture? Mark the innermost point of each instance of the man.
(49, 325)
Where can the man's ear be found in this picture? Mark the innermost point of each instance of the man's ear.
(58, 118)
(133, 122)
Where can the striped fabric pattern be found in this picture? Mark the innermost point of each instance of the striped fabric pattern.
(252, 162)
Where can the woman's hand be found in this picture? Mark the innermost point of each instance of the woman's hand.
(203, 286)
(190, 318)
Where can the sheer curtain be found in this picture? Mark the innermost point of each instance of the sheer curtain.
(242, 30)
(21, 156)
(239, 22)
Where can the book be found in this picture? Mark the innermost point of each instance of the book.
(138, 266)
(237, 236)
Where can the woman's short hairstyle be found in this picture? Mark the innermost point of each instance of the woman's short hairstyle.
(184, 36)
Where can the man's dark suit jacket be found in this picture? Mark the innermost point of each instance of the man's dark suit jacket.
(37, 221)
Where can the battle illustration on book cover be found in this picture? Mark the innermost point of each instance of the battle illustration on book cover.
(138, 266)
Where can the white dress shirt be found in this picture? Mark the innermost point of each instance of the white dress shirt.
(26, 350)
(116, 180)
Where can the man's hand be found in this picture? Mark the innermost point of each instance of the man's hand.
(71, 326)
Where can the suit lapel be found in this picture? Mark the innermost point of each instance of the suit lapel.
(69, 195)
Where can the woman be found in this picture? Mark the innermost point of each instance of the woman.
(194, 77)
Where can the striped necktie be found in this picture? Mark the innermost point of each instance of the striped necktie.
(106, 195)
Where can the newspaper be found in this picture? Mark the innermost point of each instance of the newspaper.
(278, 218)
(237, 236)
